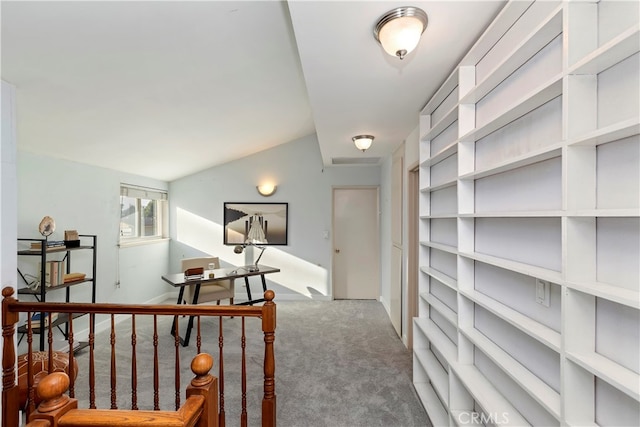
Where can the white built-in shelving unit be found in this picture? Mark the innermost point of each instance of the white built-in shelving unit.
(529, 309)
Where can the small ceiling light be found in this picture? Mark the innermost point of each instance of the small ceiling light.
(266, 189)
(399, 30)
(363, 142)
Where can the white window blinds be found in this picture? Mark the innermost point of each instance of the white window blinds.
(142, 192)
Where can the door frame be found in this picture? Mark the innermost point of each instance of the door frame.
(413, 216)
(352, 187)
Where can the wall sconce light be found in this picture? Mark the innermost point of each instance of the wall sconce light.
(399, 30)
(266, 190)
(363, 142)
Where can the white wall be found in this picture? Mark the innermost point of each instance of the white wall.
(87, 199)
(8, 211)
(196, 211)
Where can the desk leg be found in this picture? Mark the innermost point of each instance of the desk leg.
(180, 295)
(187, 335)
(251, 301)
(264, 284)
(246, 283)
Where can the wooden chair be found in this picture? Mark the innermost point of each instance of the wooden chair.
(211, 291)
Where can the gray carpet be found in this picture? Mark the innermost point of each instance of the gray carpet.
(338, 364)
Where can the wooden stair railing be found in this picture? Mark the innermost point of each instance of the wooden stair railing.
(199, 410)
(11, 309)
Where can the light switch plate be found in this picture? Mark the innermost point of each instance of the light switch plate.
(542, 292)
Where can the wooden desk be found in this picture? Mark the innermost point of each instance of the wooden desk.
(179, 280)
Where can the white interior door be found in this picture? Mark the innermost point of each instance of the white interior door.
(356, 254)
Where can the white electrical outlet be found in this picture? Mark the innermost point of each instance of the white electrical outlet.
(542, 292)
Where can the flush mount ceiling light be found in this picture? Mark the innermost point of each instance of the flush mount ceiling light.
(399, 30)
(363, 142)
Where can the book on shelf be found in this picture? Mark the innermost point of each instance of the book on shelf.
(73, 277)
(53, 272)
(35, 319)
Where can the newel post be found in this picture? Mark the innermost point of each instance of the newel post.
(269, 329)
(205, 384)
(54, 403)
(10, 405)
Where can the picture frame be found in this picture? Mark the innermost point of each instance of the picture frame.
(273, 219)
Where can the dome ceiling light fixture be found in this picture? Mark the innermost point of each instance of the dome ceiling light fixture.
(399, 30)
(363, 142)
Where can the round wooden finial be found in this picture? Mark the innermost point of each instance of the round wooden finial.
(202, 364)
(51, 390)
(269, 295)
(7, 291)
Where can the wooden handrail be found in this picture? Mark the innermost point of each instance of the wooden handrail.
(14, 306)
(11, 308)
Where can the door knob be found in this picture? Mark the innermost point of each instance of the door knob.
(337, 251)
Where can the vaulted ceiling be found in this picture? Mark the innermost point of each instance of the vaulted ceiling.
(168, 88)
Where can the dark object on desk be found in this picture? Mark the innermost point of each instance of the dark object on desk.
(194, 273)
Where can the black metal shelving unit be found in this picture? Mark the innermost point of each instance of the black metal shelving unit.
(87, 242)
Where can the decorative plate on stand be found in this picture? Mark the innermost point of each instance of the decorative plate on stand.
(47, 226)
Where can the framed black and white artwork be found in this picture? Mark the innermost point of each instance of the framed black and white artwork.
(259, 223)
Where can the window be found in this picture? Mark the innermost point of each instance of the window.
(143, 213)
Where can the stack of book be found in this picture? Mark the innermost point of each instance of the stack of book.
(50, 244)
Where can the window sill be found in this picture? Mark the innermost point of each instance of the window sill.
(142, 242)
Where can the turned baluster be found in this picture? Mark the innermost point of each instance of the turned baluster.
(177, 364)
(92, 365)
(134, 365)
(114, 383)
(199, 337)
(221, 371)
(156, 368)
(50, 342)
(243, 345)
(31, 393)
(72, 373)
